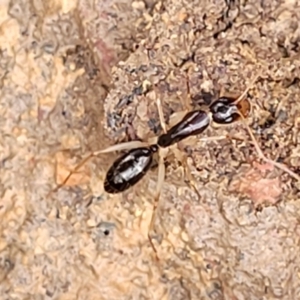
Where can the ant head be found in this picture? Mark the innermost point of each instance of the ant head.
(224, 111)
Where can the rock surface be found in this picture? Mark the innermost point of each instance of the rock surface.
(78, 77)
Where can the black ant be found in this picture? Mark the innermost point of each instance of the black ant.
(132, 166)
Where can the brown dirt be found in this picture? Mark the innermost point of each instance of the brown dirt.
(79, 77)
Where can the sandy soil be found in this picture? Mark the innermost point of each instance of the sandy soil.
(77, 77)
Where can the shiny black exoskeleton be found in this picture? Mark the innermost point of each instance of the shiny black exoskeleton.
(226, 111)
(223, 112)
(128, 169)
(193, 123)
(131, 167)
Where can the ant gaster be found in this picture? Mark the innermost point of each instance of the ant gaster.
(132, 166)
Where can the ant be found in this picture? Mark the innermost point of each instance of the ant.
(131, 167)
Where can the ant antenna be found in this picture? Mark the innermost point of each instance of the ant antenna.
(262, 155)
(250, 85)
(254, 140)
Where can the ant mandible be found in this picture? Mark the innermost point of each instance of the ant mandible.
(131, 167)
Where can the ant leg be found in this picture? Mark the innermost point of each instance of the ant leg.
(214, 138)
(160, 111)
(71, 173)
(190, 180)
(188, 97)
(263, 157)
(221, 137)
(160, 181)
(241, 97)
(178, 115)
(254, 141)
(122, 146)
(161, 115)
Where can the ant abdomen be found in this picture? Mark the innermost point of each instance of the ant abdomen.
(129, 169)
